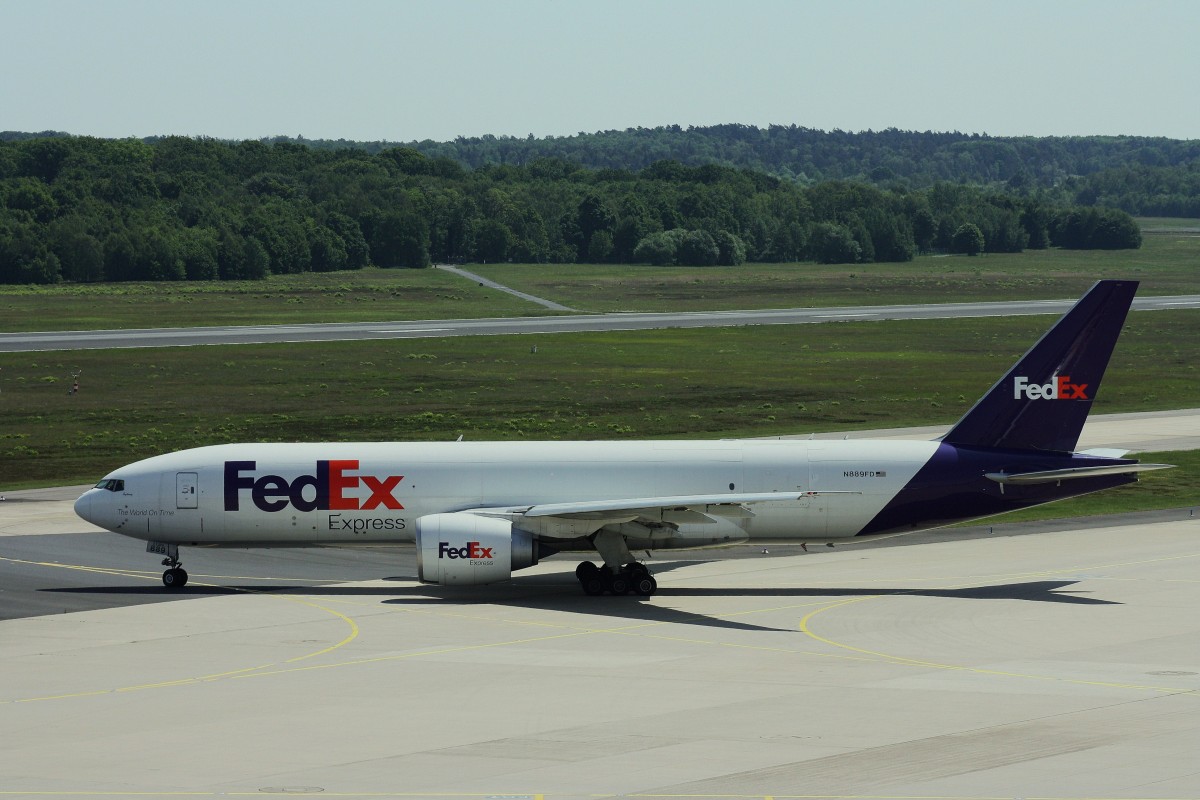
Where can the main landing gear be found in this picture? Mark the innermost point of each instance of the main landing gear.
(175, 577)
(633, 577)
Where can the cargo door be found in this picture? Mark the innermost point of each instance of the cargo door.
(818, 510)
(185, 490)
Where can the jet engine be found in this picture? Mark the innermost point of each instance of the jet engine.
(463, 549)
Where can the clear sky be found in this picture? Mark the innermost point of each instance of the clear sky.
(399, 71)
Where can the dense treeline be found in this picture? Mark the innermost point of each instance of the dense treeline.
(1144, 190)
(85, 209)
(918, 158)
(1152, 176)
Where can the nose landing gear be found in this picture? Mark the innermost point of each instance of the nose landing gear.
(175, 577)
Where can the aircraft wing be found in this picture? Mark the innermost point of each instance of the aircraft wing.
(696, 502)
(569, 520)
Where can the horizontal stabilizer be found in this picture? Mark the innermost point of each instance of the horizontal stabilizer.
(1102, 452)
(1056, 475)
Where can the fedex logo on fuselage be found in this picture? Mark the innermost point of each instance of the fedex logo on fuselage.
(324, 491)
(470, 550)
(1059, 388)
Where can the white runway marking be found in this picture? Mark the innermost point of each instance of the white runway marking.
(411, 330)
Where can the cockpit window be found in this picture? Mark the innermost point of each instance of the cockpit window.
(111, 485)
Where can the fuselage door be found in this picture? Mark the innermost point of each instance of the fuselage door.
(185, 490)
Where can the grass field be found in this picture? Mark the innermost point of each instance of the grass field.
(1169, 224)
(361, 296)
(1166, 264)
(693, 383)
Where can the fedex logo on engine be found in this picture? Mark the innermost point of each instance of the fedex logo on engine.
(325, 491)
(470, 550)
(1059, 388)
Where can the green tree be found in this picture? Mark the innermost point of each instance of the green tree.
(24, 256)
(400, 239)
(80, 254)
(731, 250)
(1093, 228)
(120, 258)
(358, 254)
(240, 257)
(406, 160)
(595, 215)
(592, 216)
(968, 239)
(697, 249)
(31, 196)
(788, 241)
(891, 236)
(658, 249)
(832, 243)
(531, 243)
(254, 260)
(924, 229)
(1116, 230)
(198, 249)
(45, 158)
(1035, 218)
(492, 241)
(634, 224)
(327, 253)
(600, 247)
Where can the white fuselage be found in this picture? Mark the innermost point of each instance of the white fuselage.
(372, 493)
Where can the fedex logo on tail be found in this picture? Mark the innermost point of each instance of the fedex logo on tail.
(326, 490)
(1059, 388)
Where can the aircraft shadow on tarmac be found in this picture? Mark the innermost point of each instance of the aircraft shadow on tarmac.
(560, 592)
(1037, 591)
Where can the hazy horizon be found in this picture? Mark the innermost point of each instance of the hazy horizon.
(409, 71)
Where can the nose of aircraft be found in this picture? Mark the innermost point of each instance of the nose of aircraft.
(83, 506)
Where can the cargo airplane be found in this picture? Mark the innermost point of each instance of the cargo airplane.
(478, 511)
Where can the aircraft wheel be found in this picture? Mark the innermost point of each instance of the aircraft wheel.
(175, 578)
(585, 570)
(593, 584)
(644, 584)
(618, 585)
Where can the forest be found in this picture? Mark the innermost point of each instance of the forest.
(84, 209)
(1145, 176)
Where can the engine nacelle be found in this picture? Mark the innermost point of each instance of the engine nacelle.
(467, 549)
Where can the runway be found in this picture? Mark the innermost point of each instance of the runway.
(1036, 660)
(187, 337)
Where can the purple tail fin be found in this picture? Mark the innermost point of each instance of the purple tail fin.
(1042, 402)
